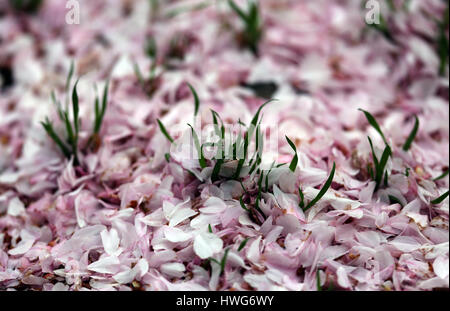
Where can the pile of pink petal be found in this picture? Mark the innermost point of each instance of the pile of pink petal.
(129, 216)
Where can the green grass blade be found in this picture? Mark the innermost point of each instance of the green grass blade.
(164, 131)
(151, 49)
(372, 121)
(196, 99)
(201, 160)
(294, 161)
(223, 262)
(412, 135)
(70, 133)
(75, 108)
(382, 165)
(256, 116)
(138, 73)
(241, 202)
(105, 99)
(242, 245)
(216, 170)
(324, 189)
(374, 155)
(238, 11)
(302, 198)
(443, 175)
(394, 200)
(440, 199)
(69, 76)
(50, 132)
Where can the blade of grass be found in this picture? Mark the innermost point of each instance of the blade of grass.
(216, 170)
(223, 262)
(324, 189)
(382, 165)
(100, 113)
(294, 161)
(443, 175)
(69, 76)
(242, 245)
(412, 135)
(164, 131)
(302, 198)
(51, 132)
(372, 121)
(76, 109)
(440, 199)
(201, 160)
(238, 10)
(196, 99)
(374, 155)
(241, 202)
(394, 200)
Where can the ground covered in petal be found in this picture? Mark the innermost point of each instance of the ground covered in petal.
(113, 206)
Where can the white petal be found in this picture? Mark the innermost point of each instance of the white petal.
(126, 276)
(176, 235)
(16, 207)
(173, 269)
(342, 278)
(180, 215)
(213, 206)
(111, 241)
(21, 248)
(60, 287)
(141, 267)
(207, 244)
(105, 265)
(405, 243)
(440, 267)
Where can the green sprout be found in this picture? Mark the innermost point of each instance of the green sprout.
(242, 245)
(196, 99)
(241, 201)
(372, 121)
(440, 199)
(412, 135)
(69, 144)
(222, 262)
(100, 110)
(202, 159)
(151, 48)
(442, 176)
(252, 20)
(72, 128)
(321, 193)
(99, 113)
(164, 131)
(394, 200)
(294, 161)
(380, 165)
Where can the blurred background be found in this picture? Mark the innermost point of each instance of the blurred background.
(320, 58)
